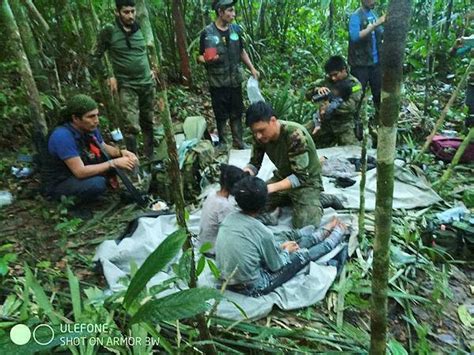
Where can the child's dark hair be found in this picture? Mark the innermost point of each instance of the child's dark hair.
(335, 63)
(230, 174)
(344, 87)
(251, 194)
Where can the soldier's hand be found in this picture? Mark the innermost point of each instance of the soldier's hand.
(255, 73)
(315, 130)
(323, 91)
(126, 163)
(211, 60)
(112, 82)
(131, 155)
(380, 21)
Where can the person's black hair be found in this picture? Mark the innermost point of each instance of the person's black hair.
(230, 174)
(216, 8)
(335, 63)
(251, 194)
(344, 87)
(258, 111)
(121, 3)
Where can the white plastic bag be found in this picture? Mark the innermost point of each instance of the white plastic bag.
(253, 91)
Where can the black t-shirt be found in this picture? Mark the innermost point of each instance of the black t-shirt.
(224, 38)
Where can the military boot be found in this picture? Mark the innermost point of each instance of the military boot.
(148, 144)
(236, 129)
(220, 124)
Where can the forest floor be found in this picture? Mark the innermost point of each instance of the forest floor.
(427, 305)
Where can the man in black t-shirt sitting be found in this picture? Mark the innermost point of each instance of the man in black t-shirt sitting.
(221, 51)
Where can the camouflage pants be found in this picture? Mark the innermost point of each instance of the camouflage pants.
(305, 203)
(327, 136)
(137, 109)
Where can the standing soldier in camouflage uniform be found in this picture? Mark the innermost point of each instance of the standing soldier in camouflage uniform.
(340, 128)
(297, 180)
(132, 76)
(221, 51)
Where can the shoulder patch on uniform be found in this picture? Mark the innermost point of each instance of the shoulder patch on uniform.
(297, 142)
(356, 88)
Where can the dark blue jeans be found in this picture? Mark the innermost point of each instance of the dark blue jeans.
(85, 190)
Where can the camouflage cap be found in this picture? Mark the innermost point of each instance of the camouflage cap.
(217, 4)
(80, 104)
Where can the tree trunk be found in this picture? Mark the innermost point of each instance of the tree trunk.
(35, 14)
(180, 31)
(396, 29)
(449, 12)
(331, 19)
(428, 59)
(18, 52)
(174, 171)
(29, 44)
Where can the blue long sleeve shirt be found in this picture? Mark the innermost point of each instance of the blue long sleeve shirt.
(354, 29)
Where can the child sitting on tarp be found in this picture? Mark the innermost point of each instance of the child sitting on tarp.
(218, 205)
(247, 252)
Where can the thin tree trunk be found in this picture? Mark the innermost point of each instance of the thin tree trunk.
(445, 111)
(180, 31)
(261, 19)
(174, 172)
(363, 171)
(449, 12)
(396, 29)
(331, 19)
(35, 14)
(428, 58)
(18, 52)
(29, 44)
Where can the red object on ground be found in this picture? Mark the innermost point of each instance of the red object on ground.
(445, 148)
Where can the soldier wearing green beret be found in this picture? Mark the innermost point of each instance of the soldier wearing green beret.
(75, 165)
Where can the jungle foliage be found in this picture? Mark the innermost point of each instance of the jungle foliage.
(288, 41)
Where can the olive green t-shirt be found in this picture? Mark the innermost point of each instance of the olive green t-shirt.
(244, 247)
(130, 64)
(293, 152)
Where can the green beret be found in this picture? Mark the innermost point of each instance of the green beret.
(80, 104)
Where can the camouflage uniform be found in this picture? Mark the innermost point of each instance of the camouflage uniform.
(339, 130)
(295, 157)
(131, 68)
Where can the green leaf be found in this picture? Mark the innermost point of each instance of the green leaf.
(464, 315)
(205, 247)
(215, 271)
(396, 348)
(157, 260)
(75, 294)
(200, 265)
(41, 298)
(180, 305)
